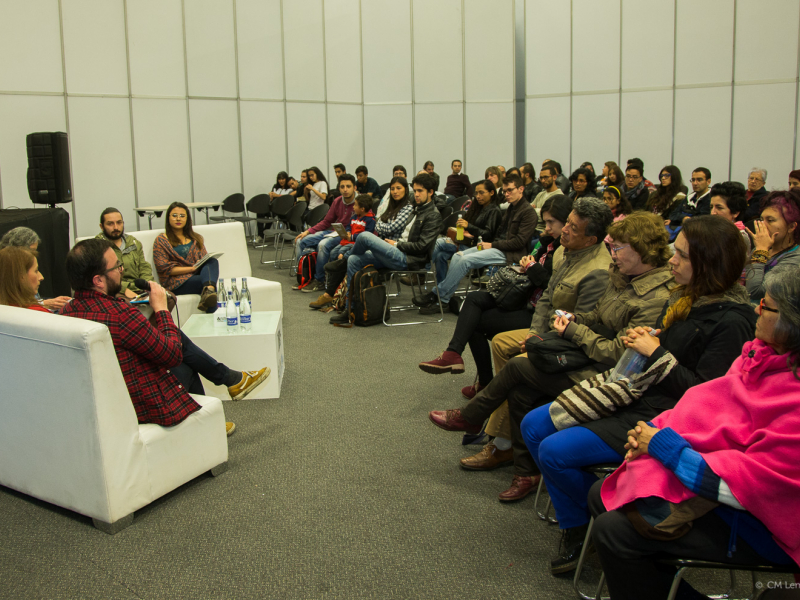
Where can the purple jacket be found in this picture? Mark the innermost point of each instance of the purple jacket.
(339, 212)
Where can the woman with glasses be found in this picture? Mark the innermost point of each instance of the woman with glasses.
(700, 332)
(728, 452)
(668, 194)
(776, 236)
(176, 252)
(20, 278)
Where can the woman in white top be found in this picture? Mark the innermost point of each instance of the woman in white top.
(317, 190)
(281, 187)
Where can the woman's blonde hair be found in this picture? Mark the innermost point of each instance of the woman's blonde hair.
(15, 262)
(646, 234)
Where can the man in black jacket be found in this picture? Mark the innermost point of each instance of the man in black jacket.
(412, 251)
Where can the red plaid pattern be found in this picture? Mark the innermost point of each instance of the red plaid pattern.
(145, 355)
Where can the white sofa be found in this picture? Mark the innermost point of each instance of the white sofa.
(230, 239)
(68, 430)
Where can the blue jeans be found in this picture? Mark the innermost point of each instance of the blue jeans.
(442, 252)
(327, 249)
(461, 264)
(197, 361)
(369, 249)
(560, 456)
(311, 241)
(209, 273)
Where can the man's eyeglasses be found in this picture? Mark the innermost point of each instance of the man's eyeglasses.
(763, 307)
(698, 179)
(116, 267)
(633, 177)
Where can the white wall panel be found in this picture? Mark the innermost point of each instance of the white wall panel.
(705, 29)
(595, 45)
(263, 146)
(763, 132)
(303, 46)
(389, 139)
(305, 124)
(343, 50)
(155, 39)
(646, 130)
(346, 139)
(493, 20)
(258, 32)
(766, 39)
(547, 39)
(19, 116)
(595, 131)
(102, 161)
(490, 138)
(39, 71)
(703, 131)
(547, 130)
(210, 49)
(437, 51)
(161, 144)
(94, 46)
(439, 130)
(215, 149)
(386, 32)
(648, 40)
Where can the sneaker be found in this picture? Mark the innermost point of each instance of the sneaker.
(470, 391)
(433, 309)
(208, 299)
(342, 318)
(447, 362)
(314, 287)
(250, 381)
(230, 427)
(426, 300)
(324, 300)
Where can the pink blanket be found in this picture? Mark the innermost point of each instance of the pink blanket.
(746, 425)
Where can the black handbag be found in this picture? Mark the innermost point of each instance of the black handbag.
(551, 353)
(510, 288)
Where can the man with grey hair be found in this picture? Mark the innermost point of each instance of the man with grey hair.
(24, 237)
(756, 191)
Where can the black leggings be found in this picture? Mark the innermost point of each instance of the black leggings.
(478, 322)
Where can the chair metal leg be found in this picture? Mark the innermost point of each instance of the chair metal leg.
(387, 310)
(579, 569)
(544, 516)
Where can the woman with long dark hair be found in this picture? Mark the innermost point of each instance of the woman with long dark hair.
(317, 189)
(281, 187)
(175, 253)
(393, 215)
(668, 193)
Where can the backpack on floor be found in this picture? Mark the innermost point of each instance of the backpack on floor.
(367, 297)
(306, 267)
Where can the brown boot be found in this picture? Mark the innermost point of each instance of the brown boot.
(487, 459)
(322, 301)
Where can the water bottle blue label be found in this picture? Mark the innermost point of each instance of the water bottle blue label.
(232, 321)
(245, 319)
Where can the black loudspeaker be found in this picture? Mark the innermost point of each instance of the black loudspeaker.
(48, 168)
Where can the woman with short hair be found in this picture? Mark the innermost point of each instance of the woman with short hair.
(175, 253)
(700, 332)
(728, 201)
(22, 237)
(583, 184)
(20, 278)
(723, 462)
(776, 236)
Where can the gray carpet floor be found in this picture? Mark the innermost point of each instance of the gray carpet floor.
(341, 488)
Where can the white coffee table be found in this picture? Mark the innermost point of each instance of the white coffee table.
(243, 351)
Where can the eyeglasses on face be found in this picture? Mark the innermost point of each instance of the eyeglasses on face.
(616, 249)
(698, 179)
(665, 176)
(116, 267)
(178, 216)
(634, 177)
(763, 307)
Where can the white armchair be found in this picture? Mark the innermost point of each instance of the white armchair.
(68, 430)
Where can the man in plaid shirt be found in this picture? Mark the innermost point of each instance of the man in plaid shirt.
(160, 364)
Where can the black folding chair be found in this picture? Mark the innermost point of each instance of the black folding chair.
(232, 204)
(317, 214)
(292, 224)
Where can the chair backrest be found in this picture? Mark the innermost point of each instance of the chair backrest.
(282, 205)
(317, 214)
(70, 437)
(233, 203)
(382, 190)
(259, 204)
(459, 202)
(446, 211)
(295, 216)
(450, 222)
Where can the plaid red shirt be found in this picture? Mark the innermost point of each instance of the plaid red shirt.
(145, 355)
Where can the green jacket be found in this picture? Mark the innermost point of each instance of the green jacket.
(576, 285)
(626, 303)
(132, 257)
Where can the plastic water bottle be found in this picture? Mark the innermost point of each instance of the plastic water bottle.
(631, 363)
(235, 291)
(245, 307)
(220, 316)
(232, 314)
(480, 243)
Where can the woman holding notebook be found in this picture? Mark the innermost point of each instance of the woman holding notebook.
(176, 254)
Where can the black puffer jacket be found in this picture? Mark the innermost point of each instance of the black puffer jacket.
(705, 345)
(486, 223)
(423, 235)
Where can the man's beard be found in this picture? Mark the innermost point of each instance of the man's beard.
(114, 236)
(113, 287)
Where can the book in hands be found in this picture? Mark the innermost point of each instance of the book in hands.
(339, 228)
(206, 258)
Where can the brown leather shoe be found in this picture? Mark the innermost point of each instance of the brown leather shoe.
(488, 458)
(521, 486)
(324, 300)
(451, 420)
